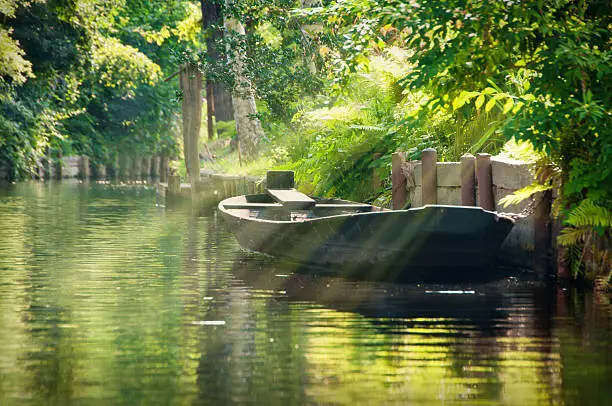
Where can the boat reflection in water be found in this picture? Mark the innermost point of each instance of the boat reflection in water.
(409, 343)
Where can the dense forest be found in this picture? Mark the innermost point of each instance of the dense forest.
(327, 88)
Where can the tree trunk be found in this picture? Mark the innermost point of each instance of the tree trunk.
(224, 111)
(191, 85)
(220, 98)
(210, 109)
(248, 127)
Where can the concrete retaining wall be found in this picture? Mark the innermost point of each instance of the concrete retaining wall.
(530, 238)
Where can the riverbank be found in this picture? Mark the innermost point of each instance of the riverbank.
(533, 242)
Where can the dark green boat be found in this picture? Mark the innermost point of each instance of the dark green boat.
(364, 241)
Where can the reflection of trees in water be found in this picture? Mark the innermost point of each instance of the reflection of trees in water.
(413, 343)
(99, 297)
(50, 350)
(253, 357)
(583, 328)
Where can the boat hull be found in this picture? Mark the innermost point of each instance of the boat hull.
(381, 245)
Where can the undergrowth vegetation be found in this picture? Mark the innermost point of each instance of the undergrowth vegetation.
(343, 146)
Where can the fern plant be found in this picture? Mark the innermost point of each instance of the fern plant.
(588, 232)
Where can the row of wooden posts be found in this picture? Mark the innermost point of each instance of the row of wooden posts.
(124, 167)
(475, 170)
(534, 230)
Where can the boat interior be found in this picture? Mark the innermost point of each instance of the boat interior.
(291, 205)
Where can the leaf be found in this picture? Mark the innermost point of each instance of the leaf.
(588, 214)
(571, 236)
(458, 102)
(490, 104)
(524, 193)
(479, 101)
(508, 106)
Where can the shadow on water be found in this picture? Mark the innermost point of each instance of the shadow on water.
(483, 300)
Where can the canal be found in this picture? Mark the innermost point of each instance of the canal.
(108, 298)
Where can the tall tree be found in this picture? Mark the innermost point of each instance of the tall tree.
(191, 86)
(248, 126)
(218, 99)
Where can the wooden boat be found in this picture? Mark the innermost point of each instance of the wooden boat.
(362, 240)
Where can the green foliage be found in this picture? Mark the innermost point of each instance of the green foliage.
(588, 214)
(122, 66)
(524, 193)
(279, 56)
(533, 71)
(13, 66)
(588, 235)
(84, 77)
(226, 129)
(338, 149)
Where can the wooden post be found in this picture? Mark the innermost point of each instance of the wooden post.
(233, 188)
(83, 172)
(4, 171)
(47, 163)
(429, 176)
(124, 166)
(136, 168)
(191, 85)
(280, 180)
(468, 180)
(174, 185)
(163, 168)
(155, 164)
(542, 232)
(226, 190)
(210, 108)
(398, 181)
(563, 270)
(146, 167)
(484, 176)
(100, 171)
(112, 169)
(58, 168)
(40, 173)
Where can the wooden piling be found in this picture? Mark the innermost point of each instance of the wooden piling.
(280, 179)
(429, 176)
(47, 163)
(58, 170)
(40, 170)
(99, 171)
(145, 167)
(124, 166)
(398, 181)
(136, 168)
(484, 177)
(155, 165)
(542, 227)
(112, 168)
(174, 185)
(83, 172)
(163, 168)
(468, 180)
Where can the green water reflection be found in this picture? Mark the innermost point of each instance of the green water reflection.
(108, 298)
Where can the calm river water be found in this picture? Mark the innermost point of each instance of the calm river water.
(109, 299)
